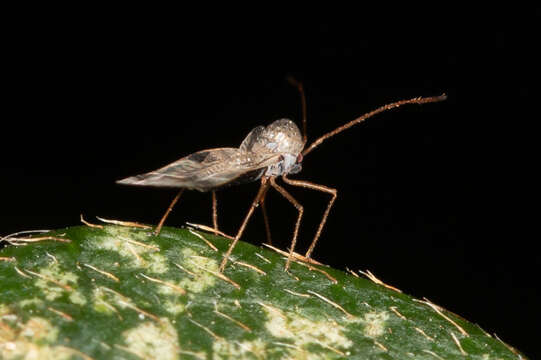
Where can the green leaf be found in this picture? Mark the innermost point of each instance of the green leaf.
(118, 292)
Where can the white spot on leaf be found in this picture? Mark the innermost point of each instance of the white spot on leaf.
(304, 331)
(153, 341)
(375, 324)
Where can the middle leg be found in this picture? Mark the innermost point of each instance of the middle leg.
(322, 188)
(265, 216)
(255, 203)
(215, 211)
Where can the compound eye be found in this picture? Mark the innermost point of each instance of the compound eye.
(299, 158)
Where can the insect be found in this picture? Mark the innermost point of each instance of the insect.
(266, 153)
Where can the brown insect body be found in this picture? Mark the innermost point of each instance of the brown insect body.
(266, 151)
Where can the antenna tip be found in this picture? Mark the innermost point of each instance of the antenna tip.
(441, 97)
(294, 82)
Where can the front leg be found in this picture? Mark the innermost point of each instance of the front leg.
(322, 188)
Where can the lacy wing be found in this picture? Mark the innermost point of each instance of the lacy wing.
(207, 170)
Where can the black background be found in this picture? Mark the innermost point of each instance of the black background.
(431, 198)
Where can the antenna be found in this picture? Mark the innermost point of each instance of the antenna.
(299, 87)
(417, 100)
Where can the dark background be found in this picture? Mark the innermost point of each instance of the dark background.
(432, 199)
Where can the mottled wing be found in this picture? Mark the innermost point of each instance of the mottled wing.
(183, 172)
(206, 170)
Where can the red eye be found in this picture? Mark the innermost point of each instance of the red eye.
(299, 158)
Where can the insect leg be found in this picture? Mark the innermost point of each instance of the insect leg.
(300, 208)
(214, 210)
(309, 185)
(262, 190)
(160, 224)
(265, 216)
